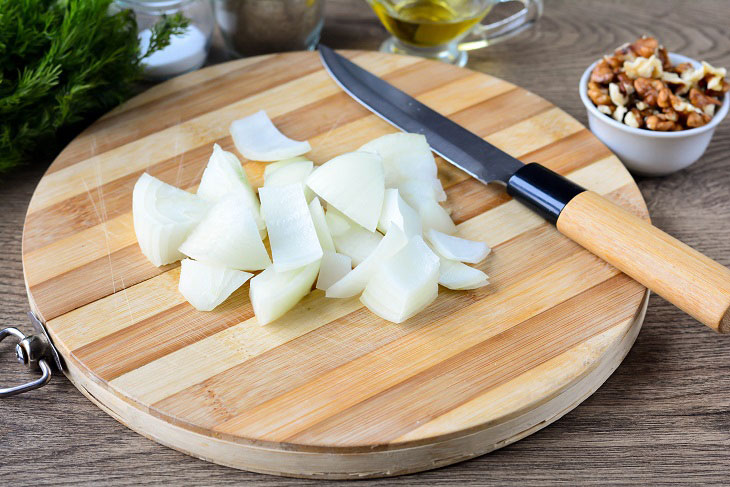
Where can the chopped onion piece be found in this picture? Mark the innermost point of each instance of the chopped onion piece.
(337, 223)
(334, 266)
(403, 284)
(292, 235)
(206, 286)
(228, 237)
(352, 183)
(354, 241)
(354, 282)
(456, 275)
(163, 217)
(223, 175)
(397, 211)
(419, 194)
(293, 172)
(279, 164)
(405, 156)
(257, 139)
(415, 191)
(438, 190)
(459, 276)
(456, 248)
(357, 243)
(320, 225)
(435, 216)
(274, 293)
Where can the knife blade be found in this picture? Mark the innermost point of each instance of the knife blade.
(688, 279)
(454, 143)
(410, 115)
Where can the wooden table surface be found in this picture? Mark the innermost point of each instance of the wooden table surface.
(662, 418)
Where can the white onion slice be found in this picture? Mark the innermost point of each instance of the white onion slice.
(405, 156)
(352, 183)
(357, 243)
(257, 139)
(223, 175)
(456, 248)
(292, 235)
(206, 286)
(403, 284)
(228, 237)
(292, 172)
(334, 266)
(271, 167)
(354, 282)
(337, 223)
(397, 211)
(274, 293)
(459, 276)
(163, 217)
(438, 190)
(435, 216)
(350, 238)
(419, 194)
(320, 225)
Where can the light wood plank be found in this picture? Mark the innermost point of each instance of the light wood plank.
(80, 177)
(527, 389)
(288, 414)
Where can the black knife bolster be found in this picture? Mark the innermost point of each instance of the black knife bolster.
(543, 190)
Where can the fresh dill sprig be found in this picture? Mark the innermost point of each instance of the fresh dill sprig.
(64, 63)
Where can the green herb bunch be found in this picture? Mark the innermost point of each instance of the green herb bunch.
(63, 63)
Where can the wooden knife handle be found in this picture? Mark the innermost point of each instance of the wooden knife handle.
(688, 279)
(691, 281)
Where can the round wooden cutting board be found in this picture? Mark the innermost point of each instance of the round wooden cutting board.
(329, 390)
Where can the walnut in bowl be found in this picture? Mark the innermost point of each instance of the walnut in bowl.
(656, 110)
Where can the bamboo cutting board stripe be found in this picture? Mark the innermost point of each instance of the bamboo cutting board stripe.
(224, 84)
(172, 169)
(329, 390)
(175, 85)
(137, 154)
(204, 97)
(380, 406)
(149, 377)
(396, 411)
(112, 193)
(195, 406)
(399, 360)
(513, 211)
(122, 360)
(389, 461)
(55, 219)
(100, 240)
(131, 347)
(527, 388)
(67, 327)
(110, 202)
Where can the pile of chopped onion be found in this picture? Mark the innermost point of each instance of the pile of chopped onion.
(384, 235)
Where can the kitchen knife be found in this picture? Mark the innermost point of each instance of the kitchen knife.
(688, 279)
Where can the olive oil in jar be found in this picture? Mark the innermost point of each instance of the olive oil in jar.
(427, 23)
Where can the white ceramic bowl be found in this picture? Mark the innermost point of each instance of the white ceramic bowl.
(647, 152)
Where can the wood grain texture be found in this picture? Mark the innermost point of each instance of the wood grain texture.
(663, 416)
(693, 282)
(330, 390)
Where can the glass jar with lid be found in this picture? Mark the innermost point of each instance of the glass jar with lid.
(187, 51)
(253, 27)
